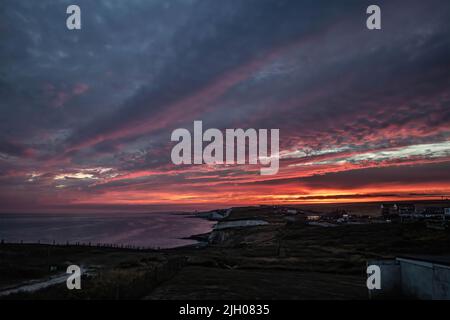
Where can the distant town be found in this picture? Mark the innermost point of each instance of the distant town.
(434, 214)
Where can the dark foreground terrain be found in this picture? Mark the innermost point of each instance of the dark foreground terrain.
(279, 260)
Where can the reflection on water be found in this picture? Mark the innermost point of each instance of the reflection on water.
(162, 230)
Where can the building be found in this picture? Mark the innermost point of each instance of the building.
(314, 217)
(389, 210)
(433, 211)
(414, 277)
(406, 208)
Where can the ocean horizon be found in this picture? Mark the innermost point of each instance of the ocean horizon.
(149, 230)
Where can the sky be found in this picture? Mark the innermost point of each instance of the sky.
(86, 115)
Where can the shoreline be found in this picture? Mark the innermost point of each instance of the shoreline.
(287, 258)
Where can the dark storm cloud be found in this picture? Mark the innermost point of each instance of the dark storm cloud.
(14, 149)
(405, 175)
(136, 59)
(438, 173)
(215, 38)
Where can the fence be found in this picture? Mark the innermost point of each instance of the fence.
(83, 244)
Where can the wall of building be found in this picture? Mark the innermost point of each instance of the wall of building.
(390, 279)
(413, 279)
(441, 283)
(416, 279)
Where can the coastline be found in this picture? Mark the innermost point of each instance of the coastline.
(286, 258)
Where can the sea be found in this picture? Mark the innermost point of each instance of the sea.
(148, 230)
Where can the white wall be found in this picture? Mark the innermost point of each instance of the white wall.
(412, 278)
(424, 280)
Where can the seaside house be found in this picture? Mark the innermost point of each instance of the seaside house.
(390, 210)
(447, 213)
(433, 211)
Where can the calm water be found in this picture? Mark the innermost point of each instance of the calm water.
(162, 230)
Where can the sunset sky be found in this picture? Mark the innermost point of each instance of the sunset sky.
(86, 115)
